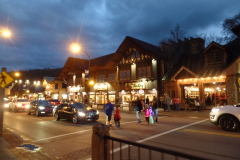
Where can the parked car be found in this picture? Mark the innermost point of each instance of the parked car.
(228, 117)
(76, 112)
(6, 104)
(19, 104)
(40, 107)
(55, 102)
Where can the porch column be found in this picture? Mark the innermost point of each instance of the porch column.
(201, 91)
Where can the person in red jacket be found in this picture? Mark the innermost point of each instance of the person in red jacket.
(117, 117)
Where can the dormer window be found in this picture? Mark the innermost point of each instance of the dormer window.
(215, 56)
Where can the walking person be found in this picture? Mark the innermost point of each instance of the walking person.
(147, 113)
(155, 110)
(139, 109)
(117, 117)
(177, 103)
(168, 102)
(164, 104)
(187, 105)
(197, 104)
(147, 100)
(107, 109)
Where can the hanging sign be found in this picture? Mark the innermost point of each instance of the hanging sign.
(86, 74)
(138, 85)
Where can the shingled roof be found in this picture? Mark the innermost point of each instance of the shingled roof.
(78, 65)
(141, 46)
(196, 62)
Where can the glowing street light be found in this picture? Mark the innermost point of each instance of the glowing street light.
(91, 83)
(75, 48)
(17, 74)
(6, 33)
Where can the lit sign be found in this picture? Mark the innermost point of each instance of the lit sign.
(141, 91)
(74, 89)
(139, 85)
(100, 86)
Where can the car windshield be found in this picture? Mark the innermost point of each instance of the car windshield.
(22, 100)
(44, 103)
(78, 105)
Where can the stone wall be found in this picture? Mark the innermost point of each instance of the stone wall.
(232, 89)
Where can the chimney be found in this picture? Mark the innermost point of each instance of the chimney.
(197, 45)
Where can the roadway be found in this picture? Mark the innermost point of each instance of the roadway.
(188, 132)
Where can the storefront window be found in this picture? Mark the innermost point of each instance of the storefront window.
(92, 99)
(150, 97)
(191, 91)
(126, 98)
(101, 99)
(112, 98)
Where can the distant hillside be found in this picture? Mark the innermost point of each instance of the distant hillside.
(36, 74)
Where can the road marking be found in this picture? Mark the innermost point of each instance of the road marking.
(155, 136)
(73, 133)
(214, 133)
(62, 135)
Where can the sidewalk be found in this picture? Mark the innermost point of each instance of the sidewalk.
(9, 143)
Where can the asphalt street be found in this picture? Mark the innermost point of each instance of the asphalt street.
(187, 132)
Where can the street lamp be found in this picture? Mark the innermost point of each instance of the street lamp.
(75, 48)
(6, 33)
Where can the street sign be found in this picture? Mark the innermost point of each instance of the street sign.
(5, 79)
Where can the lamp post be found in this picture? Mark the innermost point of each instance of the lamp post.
(75, 48)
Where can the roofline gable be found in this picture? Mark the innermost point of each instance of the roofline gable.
(211, 44)
(182, 68)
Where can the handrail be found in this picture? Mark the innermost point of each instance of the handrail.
(158, 149)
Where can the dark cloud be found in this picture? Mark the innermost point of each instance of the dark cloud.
(43, 30)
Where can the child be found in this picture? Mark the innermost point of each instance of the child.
(147, 113)
(117, 117)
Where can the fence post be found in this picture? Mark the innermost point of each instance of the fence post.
(99, 131)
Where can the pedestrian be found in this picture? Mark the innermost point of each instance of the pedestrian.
(164, 103)
(117, 117)
(197, 103)
(139, 109)
(147, 113)
(142, 102)
(147, 100)
(168, 102)
(154, 110)
(177, 103)
(213, 99)
(187, 105)
(155, 100)
(107, 109)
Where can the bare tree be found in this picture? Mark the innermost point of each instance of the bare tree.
(177, 33)
(211, 37)
(227, 25)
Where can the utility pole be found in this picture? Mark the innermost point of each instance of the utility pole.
(2, 93)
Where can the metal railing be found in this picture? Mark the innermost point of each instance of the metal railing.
(176, 155)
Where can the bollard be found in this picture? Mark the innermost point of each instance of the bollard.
(99, 131)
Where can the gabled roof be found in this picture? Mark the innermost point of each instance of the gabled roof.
(141, 46)
(78, 65)
(213, 44)
(180, 70)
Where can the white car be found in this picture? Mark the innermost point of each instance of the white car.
(6, 104)
(228, 117)
(19, 104)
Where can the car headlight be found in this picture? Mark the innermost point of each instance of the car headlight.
(97, 112)
(215, 110)
(81, 114)
(27, 106)
(41, 107)
(19, 104)
(6, 105)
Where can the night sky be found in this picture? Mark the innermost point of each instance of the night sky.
(42, 30)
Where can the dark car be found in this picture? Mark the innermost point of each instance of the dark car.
(76, 112)
(40, 108)
(55, 102)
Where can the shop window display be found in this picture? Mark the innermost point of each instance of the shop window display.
(101, 99)
(112, 98)
(126, 99)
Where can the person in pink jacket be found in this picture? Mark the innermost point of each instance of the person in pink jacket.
(147, 112)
